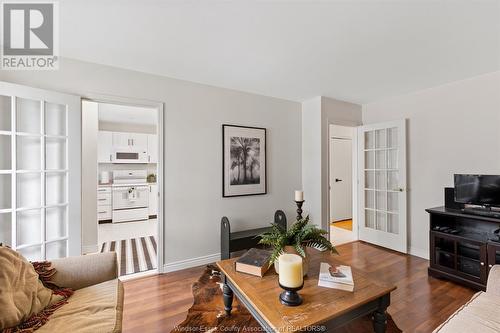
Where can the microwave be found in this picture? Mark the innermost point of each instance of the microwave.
(129, 156)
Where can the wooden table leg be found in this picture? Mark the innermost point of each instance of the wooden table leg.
(227, 294)
(380, 315)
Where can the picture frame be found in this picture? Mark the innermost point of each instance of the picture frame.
(244, 161)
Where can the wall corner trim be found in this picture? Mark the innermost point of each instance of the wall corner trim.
(418, 252)
(192, 262)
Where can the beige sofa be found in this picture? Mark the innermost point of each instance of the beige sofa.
(97, 304)
(481, 313)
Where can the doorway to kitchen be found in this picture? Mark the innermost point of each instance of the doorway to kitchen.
(342, 171)
(127, 158)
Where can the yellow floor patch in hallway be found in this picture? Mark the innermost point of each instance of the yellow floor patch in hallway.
(345, 224)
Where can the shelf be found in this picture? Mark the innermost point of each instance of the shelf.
(444, 251)
(463, 236)
(449, 212)
(469, 258)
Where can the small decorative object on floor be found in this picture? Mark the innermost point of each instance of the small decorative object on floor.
(294, 240)
(291, 279)
(336, 277)
(254, 262)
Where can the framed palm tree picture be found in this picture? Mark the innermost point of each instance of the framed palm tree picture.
(243, 161)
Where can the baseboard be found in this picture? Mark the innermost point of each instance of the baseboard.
(90, 248)
(192, 262)
(417, 252)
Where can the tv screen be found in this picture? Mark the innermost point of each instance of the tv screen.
(477, 189)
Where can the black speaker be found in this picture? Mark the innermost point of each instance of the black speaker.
(449, 199)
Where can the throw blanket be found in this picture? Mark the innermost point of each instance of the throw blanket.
(27, 295)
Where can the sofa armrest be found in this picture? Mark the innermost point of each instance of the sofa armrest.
(493, 285)
(80, 272)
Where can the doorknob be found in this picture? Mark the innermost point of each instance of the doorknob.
(338, 180)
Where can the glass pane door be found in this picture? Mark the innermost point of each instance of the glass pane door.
(35, 174)
(382, 185)
(382, 181)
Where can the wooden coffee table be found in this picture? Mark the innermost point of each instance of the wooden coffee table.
(323, 308)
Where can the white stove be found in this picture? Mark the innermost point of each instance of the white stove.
(130, 195)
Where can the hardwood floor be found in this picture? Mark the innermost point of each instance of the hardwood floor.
(419, 304)
(345, 224)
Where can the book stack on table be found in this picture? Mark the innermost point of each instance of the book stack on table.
(254, 262)
(336, 277)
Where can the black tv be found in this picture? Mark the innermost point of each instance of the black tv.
(483, 190)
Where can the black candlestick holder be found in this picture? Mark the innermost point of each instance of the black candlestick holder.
(290, 297)
(299, 209)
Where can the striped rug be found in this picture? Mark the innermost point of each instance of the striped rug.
(134, 255)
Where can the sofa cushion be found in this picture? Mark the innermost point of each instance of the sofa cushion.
(94, 309)
(22, 294)
(480, 314)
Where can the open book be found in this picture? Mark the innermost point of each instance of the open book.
(336, 277)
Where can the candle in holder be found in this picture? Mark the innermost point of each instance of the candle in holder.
(290, 267)
(291, 278)
(299, 196)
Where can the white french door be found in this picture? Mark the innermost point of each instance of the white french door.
(382, 184)
(40, 172)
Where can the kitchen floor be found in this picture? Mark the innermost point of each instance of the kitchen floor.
(108, 232)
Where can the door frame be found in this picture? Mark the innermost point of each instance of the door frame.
(355, 201)
(332, 168)
(99, 98)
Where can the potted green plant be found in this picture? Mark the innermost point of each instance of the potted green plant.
(294, 240)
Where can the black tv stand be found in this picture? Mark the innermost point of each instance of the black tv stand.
(482, 211)
(463, 246)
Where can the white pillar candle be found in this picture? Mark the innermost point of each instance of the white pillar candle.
(299, 196)
(290, 270)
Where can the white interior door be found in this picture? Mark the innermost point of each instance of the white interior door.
(382, 184)
(40, 173)
(340, 179)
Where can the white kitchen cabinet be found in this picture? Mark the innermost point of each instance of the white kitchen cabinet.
(121, 140)
(104, 203)
(104, 146)
(153, 199)
(127, 140)
(139, 140)
(153, 148)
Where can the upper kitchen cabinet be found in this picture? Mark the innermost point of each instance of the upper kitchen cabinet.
(130, 140)
(152, 148)
(104, 147)
(127, 147)
(139, 141)
(121, 140)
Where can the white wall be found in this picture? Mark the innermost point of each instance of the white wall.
(194, 114)
(454, 128)
(318, 114)
(311, 158)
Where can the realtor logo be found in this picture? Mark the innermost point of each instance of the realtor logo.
(30, 36)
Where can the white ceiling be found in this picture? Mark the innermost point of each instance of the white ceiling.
(124, 114)
(354, 50)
